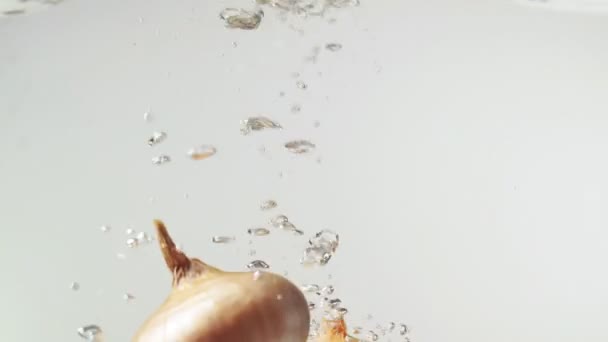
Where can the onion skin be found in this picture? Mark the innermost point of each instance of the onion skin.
(335, 331)
(209, 305)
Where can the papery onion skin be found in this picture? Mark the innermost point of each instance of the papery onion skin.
(210, 305)
(335, 331)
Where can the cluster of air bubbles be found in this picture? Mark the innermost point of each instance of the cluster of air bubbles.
(322, 247)
(135, 239)
(198, 152)
(323, 303)
(324, 306)
(236, 18)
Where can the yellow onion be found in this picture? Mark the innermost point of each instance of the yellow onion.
(207, 304)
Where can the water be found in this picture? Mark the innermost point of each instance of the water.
(322, 246)
(314, 55)
(296, 108)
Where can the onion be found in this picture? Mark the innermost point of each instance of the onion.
(207, 304)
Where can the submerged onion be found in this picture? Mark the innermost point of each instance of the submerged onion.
(207, 304)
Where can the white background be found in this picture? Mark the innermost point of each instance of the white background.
(463, 161)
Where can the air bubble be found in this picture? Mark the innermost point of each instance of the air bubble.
(258, 231)
(315, 255)
(310, 288)
(128, 297)
(268, 205)
(328, 290)
(258, 264)
(279, 220)
(157, 138)
(241, 19)
(333, 47)
(160, 160)
(132, 242)
(301, 85)
(91, 333)
(258, 123)
(223, 239)
(299, 146)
